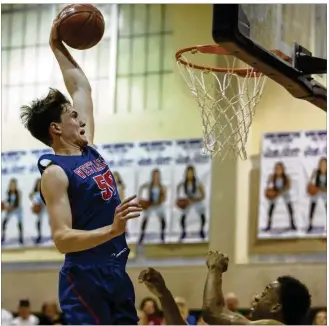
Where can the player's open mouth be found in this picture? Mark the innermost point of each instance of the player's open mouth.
(82, 132)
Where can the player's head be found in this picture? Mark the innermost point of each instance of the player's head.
(13, 184)
(286, 300)
(53, 120)
(156, 177)
(279, 169)
(323, 165)
(190, 173)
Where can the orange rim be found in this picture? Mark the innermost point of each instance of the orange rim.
(214, 49)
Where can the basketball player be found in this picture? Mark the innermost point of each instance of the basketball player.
(156, 198)
(284, 301)
(319, 179)
(87, 220)
(194, 191)
(280, 182)
(13, 206)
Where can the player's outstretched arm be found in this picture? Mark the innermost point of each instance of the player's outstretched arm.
(214, 311)
(75, 81)
(54, 185)
(156, 284)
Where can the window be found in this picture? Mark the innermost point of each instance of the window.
(144, 46)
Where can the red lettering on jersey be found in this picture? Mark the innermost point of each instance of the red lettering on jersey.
(80, 173)
(106, 184)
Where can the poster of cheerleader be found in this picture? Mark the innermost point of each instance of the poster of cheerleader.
(154, 188)
(192, 187)
(122, 160)
(24, 219)
(281, 185)
(314, 193)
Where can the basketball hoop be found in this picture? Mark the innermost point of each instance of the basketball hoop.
(226, 96)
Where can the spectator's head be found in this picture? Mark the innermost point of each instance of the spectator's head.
(286, 300)
(50, 310)
(182, 306)
(142, 317)
(24, 309)
(320, 318)
(232, 302)
(149, 306)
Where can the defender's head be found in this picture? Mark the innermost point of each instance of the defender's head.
(286, 300)
(53, 120)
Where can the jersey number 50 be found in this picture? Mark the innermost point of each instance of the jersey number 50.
(106, 184)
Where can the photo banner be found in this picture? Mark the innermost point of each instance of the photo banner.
(293, 185)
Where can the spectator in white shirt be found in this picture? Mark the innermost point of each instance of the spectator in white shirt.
(25, 317)
(6, 317)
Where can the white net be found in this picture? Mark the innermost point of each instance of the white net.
(227, 103)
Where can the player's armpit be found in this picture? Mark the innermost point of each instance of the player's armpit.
(54, 184)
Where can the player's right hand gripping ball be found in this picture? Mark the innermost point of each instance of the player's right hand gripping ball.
(217, 260)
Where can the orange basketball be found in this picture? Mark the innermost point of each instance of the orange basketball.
(81, 26)
(36, 208)
(270, 193)
(312, 190)
(144, 203)
(182, 203)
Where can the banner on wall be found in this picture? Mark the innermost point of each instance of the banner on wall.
(293, 185)
(171, 178)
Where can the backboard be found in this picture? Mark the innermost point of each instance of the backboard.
(251, 31)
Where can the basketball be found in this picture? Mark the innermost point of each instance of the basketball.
(144, 203)
(271, 194)
(36, 208)
(81, 26)
(312, 190)
(182, 203)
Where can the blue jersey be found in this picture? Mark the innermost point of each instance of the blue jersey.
(93, 199)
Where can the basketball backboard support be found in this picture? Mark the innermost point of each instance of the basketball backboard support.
(299, 31)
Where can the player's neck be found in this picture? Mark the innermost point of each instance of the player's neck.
(66, 149)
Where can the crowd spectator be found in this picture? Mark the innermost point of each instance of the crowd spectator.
(320, 318)
(150, 308)
(6, 317)
(51, 314)
(24, 316)
(232, 302)
(184, 311)
(201, 321)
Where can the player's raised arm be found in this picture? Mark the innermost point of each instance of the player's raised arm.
(156, 284)
(54, 185)
(214, 310)
(76, 82)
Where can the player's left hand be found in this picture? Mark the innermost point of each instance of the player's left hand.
(153, 280)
